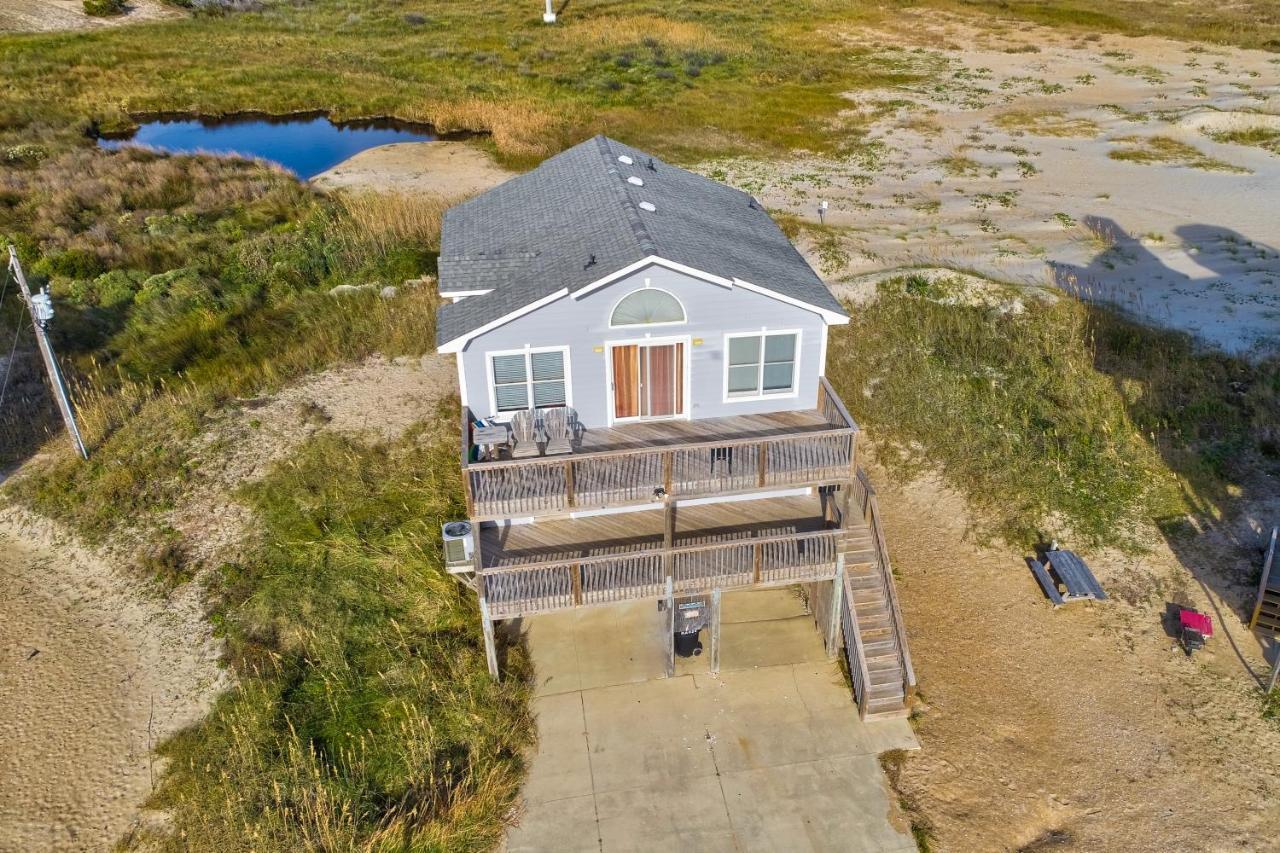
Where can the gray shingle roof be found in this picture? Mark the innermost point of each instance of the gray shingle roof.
(576, 218)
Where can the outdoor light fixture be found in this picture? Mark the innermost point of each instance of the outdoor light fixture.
(822, 212)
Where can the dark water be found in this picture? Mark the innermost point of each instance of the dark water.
(305, 145)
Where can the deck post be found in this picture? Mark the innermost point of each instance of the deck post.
(833, 622)
(671, 628)
(1275, 673)
(570, 498)
(466, 460)
(764, 464)
(715, 630)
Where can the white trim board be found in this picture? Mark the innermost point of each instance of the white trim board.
(460, 342)
(832, 318)
(651, 260)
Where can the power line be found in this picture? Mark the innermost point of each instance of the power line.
(8, 365)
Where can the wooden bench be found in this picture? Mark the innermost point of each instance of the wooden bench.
(1046, 583)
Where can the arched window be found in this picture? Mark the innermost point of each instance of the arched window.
(647, 307)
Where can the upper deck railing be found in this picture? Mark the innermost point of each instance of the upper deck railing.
(721, 465)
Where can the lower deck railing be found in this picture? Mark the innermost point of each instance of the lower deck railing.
(522, 590)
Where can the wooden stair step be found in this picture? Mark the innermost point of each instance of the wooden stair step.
(885, 691)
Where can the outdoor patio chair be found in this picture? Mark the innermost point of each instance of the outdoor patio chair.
(557, 426)
(524, 431)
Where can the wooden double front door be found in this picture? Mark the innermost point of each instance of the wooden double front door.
(648, 380)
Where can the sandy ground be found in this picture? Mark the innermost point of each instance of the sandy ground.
(1083, 728)
(94, 669)
(1004, 169)
(449, 169)
(377, 397)
(43, 15)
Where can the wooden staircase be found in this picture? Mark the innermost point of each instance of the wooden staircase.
(874, 636)
(1266, 611)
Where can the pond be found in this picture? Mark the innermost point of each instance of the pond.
(305, 145)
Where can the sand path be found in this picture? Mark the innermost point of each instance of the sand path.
(449, 169)
(93, 671)
(46, 15)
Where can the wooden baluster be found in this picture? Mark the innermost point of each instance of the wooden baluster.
(764, 463)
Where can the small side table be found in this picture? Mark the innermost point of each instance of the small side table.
(491, 438)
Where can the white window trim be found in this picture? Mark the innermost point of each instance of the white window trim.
(755, 398)
(527, 351)
(630, 293)
(686, 403)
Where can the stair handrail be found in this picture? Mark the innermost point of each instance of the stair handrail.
(871, 513)
(1265, 579)
(857, 668)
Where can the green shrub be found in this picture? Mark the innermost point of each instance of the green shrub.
(1058, 419)
(104, 8)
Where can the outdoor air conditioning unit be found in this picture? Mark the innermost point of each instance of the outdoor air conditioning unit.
(459, 546)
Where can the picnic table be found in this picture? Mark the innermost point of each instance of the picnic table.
(1065, 578)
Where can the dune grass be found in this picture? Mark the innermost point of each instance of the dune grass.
(1148, 150)
(1047, 123)
(1267, 138)
(363, 717)
(1059, 420)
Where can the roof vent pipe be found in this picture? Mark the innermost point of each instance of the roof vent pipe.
(635, 181)
(644, 205)
(625, 160)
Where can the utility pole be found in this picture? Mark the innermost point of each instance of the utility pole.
(41, 308)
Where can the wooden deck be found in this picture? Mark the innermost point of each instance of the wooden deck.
(637, 463)
(551, 565)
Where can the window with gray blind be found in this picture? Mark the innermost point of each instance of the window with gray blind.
(762, 364)
(529, 380)
(646, 307)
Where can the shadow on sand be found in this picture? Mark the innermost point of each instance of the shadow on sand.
(1214, 416)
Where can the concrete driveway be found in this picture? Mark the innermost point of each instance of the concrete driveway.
(767, 755)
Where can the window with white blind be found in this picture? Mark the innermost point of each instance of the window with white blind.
(761, 365)
(537, 379)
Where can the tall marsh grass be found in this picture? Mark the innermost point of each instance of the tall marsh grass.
(364, 717)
